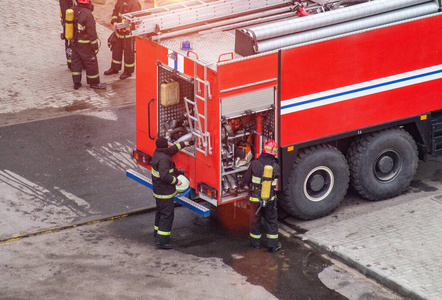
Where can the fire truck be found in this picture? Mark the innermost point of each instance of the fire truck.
(351, 92)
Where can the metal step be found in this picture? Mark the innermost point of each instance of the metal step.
(436, 135)
(437, 126)
(437, 142)
(180, 198)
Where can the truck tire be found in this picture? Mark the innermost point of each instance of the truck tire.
(382, 163)
(317, 184)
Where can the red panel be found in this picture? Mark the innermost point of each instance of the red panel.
(248, 71)
(363, 112)
(146, 87)
(189, 67)
(354, 59)
(148, 53)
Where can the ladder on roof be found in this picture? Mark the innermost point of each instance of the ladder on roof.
(197, 120)
(191, 13)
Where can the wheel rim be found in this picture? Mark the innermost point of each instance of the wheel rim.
(388, 165)
(318, 184)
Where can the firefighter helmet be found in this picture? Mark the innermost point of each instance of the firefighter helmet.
(270, 147)
(84, 1)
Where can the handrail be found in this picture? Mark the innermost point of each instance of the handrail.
(148, 118)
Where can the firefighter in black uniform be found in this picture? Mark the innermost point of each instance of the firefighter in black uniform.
(266, 209)
(124, 41)
(85, 46)
(65, 4)
(164, 181)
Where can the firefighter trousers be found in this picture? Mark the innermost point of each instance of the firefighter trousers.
(83, 57)
(123, 45)
(163, 220)
(68, 52)
(270, 219)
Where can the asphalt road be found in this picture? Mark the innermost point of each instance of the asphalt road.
(70, 170)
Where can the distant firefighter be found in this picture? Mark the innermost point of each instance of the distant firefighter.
(123, 42)
(85, 46)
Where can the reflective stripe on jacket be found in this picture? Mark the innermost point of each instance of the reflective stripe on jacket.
(254, 175)
(163, 172)
(122, 7)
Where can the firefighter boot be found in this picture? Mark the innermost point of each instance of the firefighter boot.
(165, 246)
(275, 248)
(100, 85)
(110, 72)
(77, 86)
(125, 75)
(163, 241)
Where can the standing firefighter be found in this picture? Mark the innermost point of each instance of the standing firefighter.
(164, 181)
(262, 174)
(85, 46)
(124, 42)
(64, 5)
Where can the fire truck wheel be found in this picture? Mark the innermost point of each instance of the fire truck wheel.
(318, 182)
(382, 163)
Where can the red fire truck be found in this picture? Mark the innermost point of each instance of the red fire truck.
(351, 94)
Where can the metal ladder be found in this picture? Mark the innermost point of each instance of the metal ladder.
(436, 136)
(197, 120)
(182, 15)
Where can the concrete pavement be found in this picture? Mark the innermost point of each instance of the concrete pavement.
(396, 241)
(36, 83)
(398, 245)
(86, 262)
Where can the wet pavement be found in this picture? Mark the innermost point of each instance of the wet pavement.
(395, 241)
(59, 177)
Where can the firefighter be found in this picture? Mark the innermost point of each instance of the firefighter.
(262, 175)
(85, 46)
(164, 181)
(124, 42)
(65, 4)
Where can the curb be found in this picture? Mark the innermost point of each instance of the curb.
(385, 281)
(87, 221)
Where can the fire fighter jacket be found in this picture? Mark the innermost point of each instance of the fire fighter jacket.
(254, 176)
(85, 25)
(122, 7)
(164, 174)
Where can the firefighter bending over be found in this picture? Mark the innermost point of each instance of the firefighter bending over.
(85, 46)
(262, 174)
(164, 181)
(123, 42)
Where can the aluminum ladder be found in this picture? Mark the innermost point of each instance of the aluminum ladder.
(190, 13)
(197, 120)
